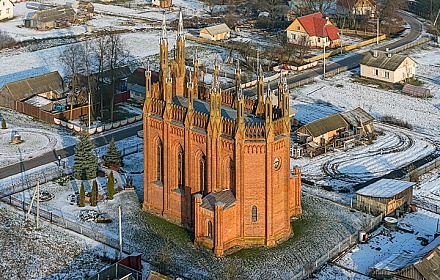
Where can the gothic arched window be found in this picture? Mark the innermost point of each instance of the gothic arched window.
(180, 167)
(202, 174)
(231, 174)
(159, 162)
(209, 229)
(254, 213)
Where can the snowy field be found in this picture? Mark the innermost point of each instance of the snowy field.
(324, 224)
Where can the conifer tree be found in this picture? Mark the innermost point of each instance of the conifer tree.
(110, 186)
(3, 124)
(113, 155)
(85, 160)
(94, 197)
(82, 196)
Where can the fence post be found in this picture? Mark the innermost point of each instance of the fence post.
(51, 220)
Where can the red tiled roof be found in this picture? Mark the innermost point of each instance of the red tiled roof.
(315, 25)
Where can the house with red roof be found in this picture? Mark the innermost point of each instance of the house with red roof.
(313, 30)
(356, 7)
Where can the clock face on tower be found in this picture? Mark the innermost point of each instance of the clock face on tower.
(277, 163)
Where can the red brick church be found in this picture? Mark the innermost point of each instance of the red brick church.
(217, 162)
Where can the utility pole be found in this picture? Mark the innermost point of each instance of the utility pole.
(36, 194)
(377, 37)
(120, 233)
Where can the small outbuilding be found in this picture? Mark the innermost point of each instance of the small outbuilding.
(321, 132)
(46, 19)
(216, 33)
(360, 121)
(385, 196)
(48, 86)
(136, 83)
(416, 91)
(418, 265)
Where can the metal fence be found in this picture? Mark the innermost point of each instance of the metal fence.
(335, 251)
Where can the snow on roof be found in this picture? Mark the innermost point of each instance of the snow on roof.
(357, 115)
(37, 101)
(385, 188)
(383, 60)
(218, 29)
(325, 125)
(405, 259)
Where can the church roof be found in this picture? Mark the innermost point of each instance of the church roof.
(225, 196)
(227, 112)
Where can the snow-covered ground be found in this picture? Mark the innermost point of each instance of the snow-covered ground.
(324, 223)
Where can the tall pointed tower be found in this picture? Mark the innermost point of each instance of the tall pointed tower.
(221, 169)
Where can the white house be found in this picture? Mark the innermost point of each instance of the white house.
(6, 9)
(387, 67)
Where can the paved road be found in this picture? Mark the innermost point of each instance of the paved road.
(353, 60)
(350, 62)
(99, 140)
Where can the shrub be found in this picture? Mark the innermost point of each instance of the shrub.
(6, 41)
(110, 186)
(94, 197)
(3, 124)
(82, 196)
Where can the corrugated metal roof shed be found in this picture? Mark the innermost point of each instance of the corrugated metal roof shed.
(426, 261)
(354, 116)
(385, 188)
(382, 60)
(218, 29)
(327, 124)
(416, 91)
(26, 88)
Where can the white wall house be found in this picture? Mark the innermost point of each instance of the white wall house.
(387, 67)
(6, 9)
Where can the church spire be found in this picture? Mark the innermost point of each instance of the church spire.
(163, 36)
(163, 53)
(180, 27)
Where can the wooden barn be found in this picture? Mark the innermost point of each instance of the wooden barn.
(84, 10)
(361, 123)
(419, 265)
(49, 86)
(385, 196)
(216, 33)
(321, 132)
(46, 19)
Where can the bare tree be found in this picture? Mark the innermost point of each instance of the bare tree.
(102, 51)
(387, 9)
(71, 58)
(313, 6)
(117, 57)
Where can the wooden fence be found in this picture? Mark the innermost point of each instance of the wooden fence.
(347, 48)
(335, 251)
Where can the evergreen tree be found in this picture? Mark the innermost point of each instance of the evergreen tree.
(94, 197)
(110, 186)
(3, 124)
(113, 155)
(82, 196)
(85, 160)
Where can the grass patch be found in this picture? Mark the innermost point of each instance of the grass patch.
(171, 231)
